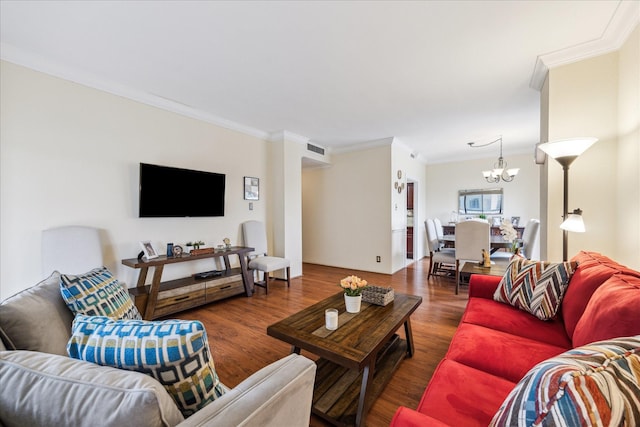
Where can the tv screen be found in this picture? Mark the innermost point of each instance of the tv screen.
(174, 192)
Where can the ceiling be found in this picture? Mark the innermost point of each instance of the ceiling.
(432, 74)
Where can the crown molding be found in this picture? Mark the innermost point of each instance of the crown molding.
(20, 57)
(362, 145)
(285, 135)
(622, 23)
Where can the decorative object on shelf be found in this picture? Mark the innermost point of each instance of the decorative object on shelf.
(378, 295)
(195, 245)
(353, 287)
(515, 221)
(169, 249)
(565, 151)
(499, 170)
(202, 251)
(149, 251)
(509, 234)
(177, 250)
(251, 188)
(227, 242)
(399, 185)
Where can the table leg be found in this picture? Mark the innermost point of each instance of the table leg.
(247, 278)
(367, 378)
(409, 337)
(153, 294)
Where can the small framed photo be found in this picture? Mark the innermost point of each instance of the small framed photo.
(515, 221)
(149, 251)
(251, 188)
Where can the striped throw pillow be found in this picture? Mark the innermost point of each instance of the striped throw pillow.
(174, 352)
(534, 286)
(594, 385)
(97, 293)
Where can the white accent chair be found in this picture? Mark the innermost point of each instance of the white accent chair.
(71, 250)
(440, 260)
(471, 238)
(255, 236)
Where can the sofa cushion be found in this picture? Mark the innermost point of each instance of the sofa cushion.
(613, 311)
(463, 396)
(97, 293)
(534, 286)
(598, 384)
(42, 389)
(498, 353)
(593, 270)
(175, 352)
(505, 318)
(37, 319)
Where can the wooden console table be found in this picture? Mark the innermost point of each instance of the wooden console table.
(161, 298)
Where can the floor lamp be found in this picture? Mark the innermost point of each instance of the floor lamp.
(565, 151)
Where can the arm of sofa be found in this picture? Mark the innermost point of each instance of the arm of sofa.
(277, 395)
(405, 417)
(483, 286)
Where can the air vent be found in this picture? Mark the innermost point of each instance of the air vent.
(315, 149)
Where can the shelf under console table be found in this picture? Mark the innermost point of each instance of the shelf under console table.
(162, 298)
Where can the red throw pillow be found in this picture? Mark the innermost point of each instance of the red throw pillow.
(613, 311)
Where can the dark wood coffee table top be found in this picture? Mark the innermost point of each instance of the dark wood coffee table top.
(359, 336)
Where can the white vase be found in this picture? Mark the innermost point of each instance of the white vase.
(352, 303)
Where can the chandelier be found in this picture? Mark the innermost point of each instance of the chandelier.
(499, 170)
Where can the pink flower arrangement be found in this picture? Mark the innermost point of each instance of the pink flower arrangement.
(353, 285)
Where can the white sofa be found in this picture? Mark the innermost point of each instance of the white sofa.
(42, 386)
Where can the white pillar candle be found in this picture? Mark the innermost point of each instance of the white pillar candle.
(331, 319)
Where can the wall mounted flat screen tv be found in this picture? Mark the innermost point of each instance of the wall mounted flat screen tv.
(174, 192)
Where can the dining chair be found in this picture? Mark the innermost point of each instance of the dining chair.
(71, 250)
(255, 236)
(471, 238)
(439, 231)
(529, 239)
(440, 260)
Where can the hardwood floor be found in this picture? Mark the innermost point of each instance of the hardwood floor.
(236, 328)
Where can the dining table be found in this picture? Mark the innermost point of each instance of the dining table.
(496, 242)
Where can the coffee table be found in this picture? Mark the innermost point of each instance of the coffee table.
(470, 268)
(356, 360)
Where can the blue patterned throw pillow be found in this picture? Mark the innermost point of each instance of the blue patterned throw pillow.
(174, 352)
(97, 293)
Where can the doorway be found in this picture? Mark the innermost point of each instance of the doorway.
(410, 220)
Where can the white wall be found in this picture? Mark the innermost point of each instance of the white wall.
(521, 196)
(346, 211)
(598, 97)
(70, 154)
(628, 166)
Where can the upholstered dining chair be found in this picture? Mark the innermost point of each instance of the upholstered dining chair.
(439, 230)
(529, 239)
(471, 238)
(254, 235)
(440, 260)
(71, 250)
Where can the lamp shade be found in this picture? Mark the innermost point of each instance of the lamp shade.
(574, 222)
(571, 147)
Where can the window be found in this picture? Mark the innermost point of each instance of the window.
(480, 202)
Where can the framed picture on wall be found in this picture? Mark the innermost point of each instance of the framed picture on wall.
(251, 188)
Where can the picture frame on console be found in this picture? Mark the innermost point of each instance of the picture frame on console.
(251, 188)
(148, 249)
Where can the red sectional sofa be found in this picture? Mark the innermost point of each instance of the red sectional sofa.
(496, 344)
